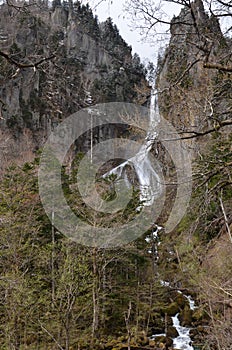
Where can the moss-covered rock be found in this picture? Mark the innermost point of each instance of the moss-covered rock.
(171, 310)
(152, 343)
(160, 339)
(172, 332)
(186, 316)
(198, 315)
(181, 300)
(142, 339)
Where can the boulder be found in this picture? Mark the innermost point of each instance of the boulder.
(181, 300)
(169, 342)
(186, 316)
(171, 310)
(172, 332)
(199, 315)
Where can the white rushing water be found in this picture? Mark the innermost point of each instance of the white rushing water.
(183, 341)
(191, 302)
(149, 181)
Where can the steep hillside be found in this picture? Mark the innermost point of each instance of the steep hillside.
(75, 62)
(198, 101)
(192, 96)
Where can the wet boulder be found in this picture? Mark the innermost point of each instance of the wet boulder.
(181, 300)
(186, 316)
(172, 332)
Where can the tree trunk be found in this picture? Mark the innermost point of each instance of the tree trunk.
(95, 295)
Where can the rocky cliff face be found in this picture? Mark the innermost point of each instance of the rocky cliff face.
(191, 96)
(87, 63)
(198, 99)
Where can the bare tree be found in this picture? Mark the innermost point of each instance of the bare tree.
(155, 19)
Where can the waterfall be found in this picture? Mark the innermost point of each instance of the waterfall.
(149, 182)
(191, 302)
(183, 341)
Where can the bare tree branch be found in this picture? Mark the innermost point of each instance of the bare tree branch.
(218, 66)
(226, 219)
(226, 4)
(46, 331)
(25, 65)
(195, 134)
(185, 72)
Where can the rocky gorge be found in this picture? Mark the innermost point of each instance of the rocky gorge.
(56, 59)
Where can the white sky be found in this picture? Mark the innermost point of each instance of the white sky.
(114, 9)
(132, 37)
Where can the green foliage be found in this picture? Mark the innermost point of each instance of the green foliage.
(186, 222)
(47, 281)
(89, 22)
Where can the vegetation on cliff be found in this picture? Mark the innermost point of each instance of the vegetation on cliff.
(57, 294)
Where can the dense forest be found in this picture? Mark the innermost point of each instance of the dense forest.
(55, 293)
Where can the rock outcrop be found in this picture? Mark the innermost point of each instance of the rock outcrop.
(190, 93)
(87, 63)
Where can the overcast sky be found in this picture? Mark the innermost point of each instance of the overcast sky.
(115, 10)
(133, 38)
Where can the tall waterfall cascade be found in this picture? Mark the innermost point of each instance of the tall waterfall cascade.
(149, 181)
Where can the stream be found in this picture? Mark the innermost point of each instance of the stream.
(183, 341)
(150, 189)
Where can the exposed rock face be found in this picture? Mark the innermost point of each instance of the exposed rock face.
(92, 64)
(190, 93)
(195, 98)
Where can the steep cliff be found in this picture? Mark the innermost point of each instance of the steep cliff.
(82, 63)
(198, 101)
(193, 97)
